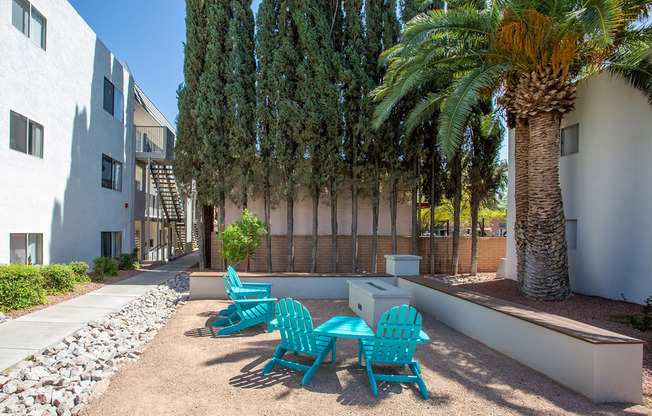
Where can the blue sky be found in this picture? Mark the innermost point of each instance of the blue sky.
(149, 35)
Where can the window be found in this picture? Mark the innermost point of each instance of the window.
(113, 100)
(25, 135)
(111, 245)
(26, 248)
(571, 233)
(570, 137)
(139, 178)
(111, 173)
(29, 21)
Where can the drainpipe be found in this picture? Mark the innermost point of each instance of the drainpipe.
(147, 207)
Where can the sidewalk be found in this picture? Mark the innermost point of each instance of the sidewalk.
(29, 334)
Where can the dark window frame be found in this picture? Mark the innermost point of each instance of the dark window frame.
(113, 179)
(112, 99)
(566, 149)
(26, 143)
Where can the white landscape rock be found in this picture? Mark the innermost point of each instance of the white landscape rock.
(62, 378)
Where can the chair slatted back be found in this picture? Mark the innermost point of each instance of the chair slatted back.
(233, 276)
(228, 285)
(295, 325)
(397, 334)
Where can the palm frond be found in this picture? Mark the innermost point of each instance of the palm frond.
(456, 108)
(423, 111)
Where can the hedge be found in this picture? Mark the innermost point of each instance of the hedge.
(58, 279)
(104, 266)
(21, 287)
(80, 269)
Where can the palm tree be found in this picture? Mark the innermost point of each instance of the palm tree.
(530, 54)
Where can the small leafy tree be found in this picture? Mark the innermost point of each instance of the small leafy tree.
(240, 240)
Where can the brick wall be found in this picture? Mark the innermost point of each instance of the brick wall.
(490, 251)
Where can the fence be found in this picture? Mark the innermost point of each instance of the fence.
(490, 251)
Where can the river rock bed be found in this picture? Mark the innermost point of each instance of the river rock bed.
(62, 378)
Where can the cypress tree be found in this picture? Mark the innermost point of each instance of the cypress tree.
(212, 107)
(288, 116)
(240, 91)
(318, 98)
(266, 99)
(355, 84)
(188, 163)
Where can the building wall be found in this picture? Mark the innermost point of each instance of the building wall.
(303, 216)
(490, 251)
(606, 188)
(61, 88)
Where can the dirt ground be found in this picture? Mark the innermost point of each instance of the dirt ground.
(189, 370)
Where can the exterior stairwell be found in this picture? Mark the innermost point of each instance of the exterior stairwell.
(171, 201)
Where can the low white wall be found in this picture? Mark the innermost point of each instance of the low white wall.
(602, 372)
(212, 287)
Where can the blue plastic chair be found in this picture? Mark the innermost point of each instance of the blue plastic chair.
(241, 290)
(398, 333)
(295, 325)
(246, 312)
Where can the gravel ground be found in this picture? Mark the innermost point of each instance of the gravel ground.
(82, 289)
(189, 370)
(593, 310)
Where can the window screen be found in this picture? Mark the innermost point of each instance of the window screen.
(570, 138)
(571, 233)
(35, 139)
(18, 132)
(20, 15)
(109, 90)
(37, 29)
(107, 172)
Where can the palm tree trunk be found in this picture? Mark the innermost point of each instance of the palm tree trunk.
(521, 145)
(546, 266)
(457, 201)
(315, 230)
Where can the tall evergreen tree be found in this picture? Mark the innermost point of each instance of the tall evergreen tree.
(287, 59)
(318, 99)
(266, 100)
(240, 91)
(213, 109)
(188, 164)
(355, 81)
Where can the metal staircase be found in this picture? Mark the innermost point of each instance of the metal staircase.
(171, 201)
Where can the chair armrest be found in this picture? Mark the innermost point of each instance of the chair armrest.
(423, 337)
(257, 284)
(253, 301)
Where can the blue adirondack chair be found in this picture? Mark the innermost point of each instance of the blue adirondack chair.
(398, 333)
(295, 325)
(236, 283)
(246, 312)
(241, 290)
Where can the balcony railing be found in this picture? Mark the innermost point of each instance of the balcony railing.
(155, 141)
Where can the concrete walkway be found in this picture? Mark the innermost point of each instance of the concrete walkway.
(31, 333)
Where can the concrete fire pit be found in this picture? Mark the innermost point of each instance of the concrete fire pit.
(371, 298)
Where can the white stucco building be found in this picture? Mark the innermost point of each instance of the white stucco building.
(605, 173)
(68, 150)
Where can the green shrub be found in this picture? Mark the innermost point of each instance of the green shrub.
(129, 261)
(80, 269)
(21, 287)
(103, 266)
(58, 279)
